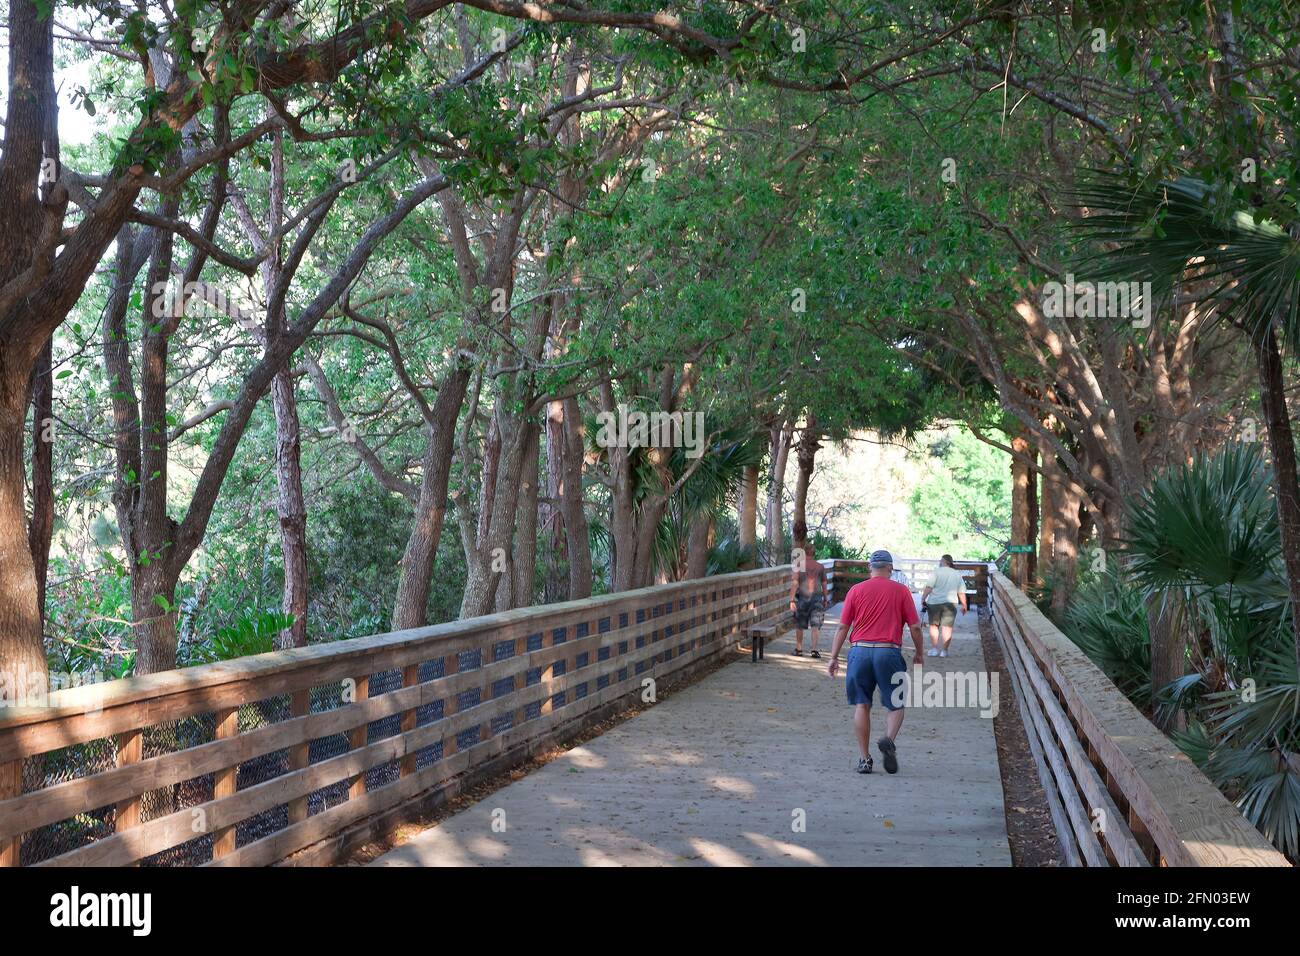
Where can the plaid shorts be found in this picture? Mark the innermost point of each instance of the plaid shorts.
(809, 611)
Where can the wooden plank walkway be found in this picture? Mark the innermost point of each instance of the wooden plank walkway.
(721, 772)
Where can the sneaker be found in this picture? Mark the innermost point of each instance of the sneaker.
(816, 654)
(865, 764)
(932, 653)
(890, 753)
(943, 653)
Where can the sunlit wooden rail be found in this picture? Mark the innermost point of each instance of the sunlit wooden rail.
(1119, 791)
(409, 717)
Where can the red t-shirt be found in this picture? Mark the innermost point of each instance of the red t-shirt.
(877, 609)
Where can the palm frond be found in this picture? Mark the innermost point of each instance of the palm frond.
(1209, 525)
(1166, 231)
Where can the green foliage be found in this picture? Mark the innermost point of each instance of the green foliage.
(1204, 538)
(254, 634)
(1107, 618)
(827, 544)
(1208, 530)
(1159, 232)
(963, 506)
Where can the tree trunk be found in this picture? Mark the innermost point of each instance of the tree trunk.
(805, 458)
(698, 545)
(292, 508)
(568, 533)
(1031, 503)
(1281, 443)
(572, 504)
(288, 434)
(1021, 514)
(26, 246)
(411, 606)
(524, 566)
(622, 525)
(1087, 521)
(1065, 520)
(1047, 491)
(150, 533)
(1168, 651)
(557, 587)
(155, 624)
(775, 519)
(41, 530)
(488, 547)
(23, 668)
(749, 516)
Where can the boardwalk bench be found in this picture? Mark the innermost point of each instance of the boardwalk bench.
(758, 636)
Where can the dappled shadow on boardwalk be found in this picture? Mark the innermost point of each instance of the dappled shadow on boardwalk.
(724, 773)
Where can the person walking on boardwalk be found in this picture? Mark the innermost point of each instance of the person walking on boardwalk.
(808, 597)
(872, 619)
(941, 596)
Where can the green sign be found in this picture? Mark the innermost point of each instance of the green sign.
(1021, 549)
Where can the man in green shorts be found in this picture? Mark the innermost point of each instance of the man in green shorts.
(941, 597)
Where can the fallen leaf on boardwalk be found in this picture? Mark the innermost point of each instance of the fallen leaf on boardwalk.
(771, 710)
(1020, 809)
(889, 824)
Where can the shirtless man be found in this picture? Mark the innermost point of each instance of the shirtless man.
(808, 598)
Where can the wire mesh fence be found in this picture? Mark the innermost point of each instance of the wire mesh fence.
(270, 769)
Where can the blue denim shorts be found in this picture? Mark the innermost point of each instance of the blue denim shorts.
(872, 667)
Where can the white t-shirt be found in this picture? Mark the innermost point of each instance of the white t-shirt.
(946, 586)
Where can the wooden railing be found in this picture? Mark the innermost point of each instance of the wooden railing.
(1119, 791)
(248, 761)
(842, 574)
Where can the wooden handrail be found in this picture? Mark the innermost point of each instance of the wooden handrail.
(590, 656)
(1114, 781)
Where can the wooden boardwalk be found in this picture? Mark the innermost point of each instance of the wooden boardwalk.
(723, 772)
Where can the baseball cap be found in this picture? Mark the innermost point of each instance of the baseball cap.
(881, 558)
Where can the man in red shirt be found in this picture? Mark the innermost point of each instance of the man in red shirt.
(873, 617)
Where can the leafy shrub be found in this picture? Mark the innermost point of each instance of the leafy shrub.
(254, 634)
(1205, 537)
(1108, 620)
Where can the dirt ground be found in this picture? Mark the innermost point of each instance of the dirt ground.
(1030, 832)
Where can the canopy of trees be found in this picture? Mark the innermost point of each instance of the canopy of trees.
(314, 315)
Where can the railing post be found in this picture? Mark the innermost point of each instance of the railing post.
(299, 754)
(451, 703)
(410, 677)
(11, 785)
(357, 738)
(225, 782)
(548, 672)
(130, 749)
(521, 681)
